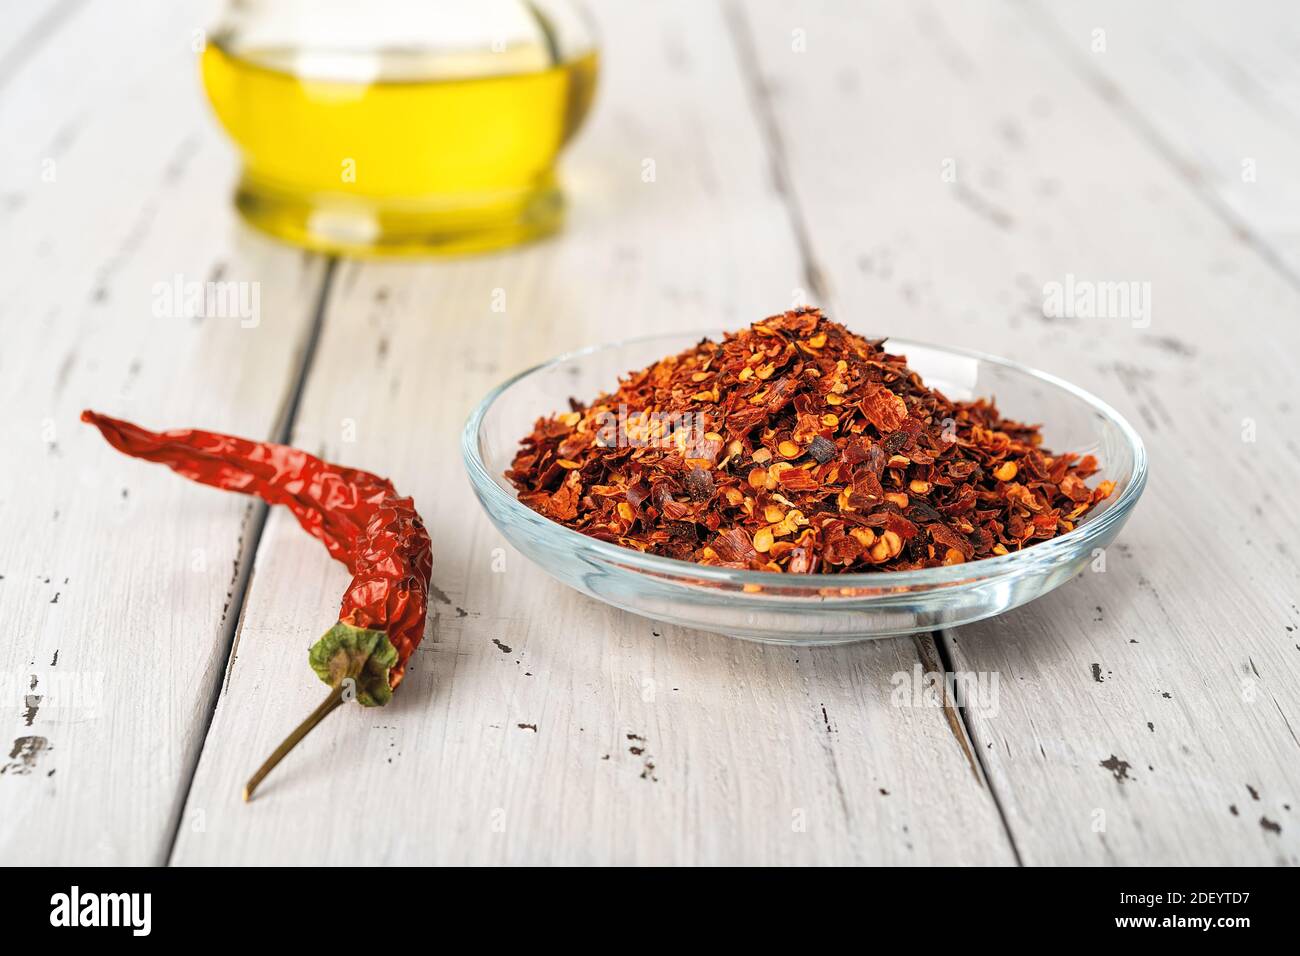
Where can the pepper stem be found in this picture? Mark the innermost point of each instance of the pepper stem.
(302, 730)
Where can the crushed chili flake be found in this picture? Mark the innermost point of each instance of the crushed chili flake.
(796, 445)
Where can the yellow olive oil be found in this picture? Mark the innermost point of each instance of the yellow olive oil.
(399, 153)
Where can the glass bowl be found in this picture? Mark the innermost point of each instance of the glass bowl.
(813, 608)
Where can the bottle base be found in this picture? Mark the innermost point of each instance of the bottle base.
(364, 227)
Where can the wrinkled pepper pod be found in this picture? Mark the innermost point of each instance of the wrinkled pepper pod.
(362, 522)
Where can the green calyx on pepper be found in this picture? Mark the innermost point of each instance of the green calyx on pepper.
(364, 657)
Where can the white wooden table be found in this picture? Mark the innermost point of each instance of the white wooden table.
(919, 170)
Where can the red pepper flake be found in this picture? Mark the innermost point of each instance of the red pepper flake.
(699, 484)
(883, 408)
(822, 450)
(797, 446)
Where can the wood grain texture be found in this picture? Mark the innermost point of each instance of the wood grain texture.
(1148, 714)
(118, 582)
(29, 27)
(537, 725)
(800, 151)
(1214, 90)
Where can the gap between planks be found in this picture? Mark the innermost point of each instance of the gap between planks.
(954, 711)
(747, 56)
(251, 533)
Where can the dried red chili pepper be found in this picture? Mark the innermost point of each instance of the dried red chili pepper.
(798, 446)
(362, 522)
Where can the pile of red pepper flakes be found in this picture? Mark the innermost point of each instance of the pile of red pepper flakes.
(798, 446)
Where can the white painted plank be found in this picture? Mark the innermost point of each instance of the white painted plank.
(1051, 179)
(27, 27)
(116, 577)
(1212, 84)
(748, 754)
